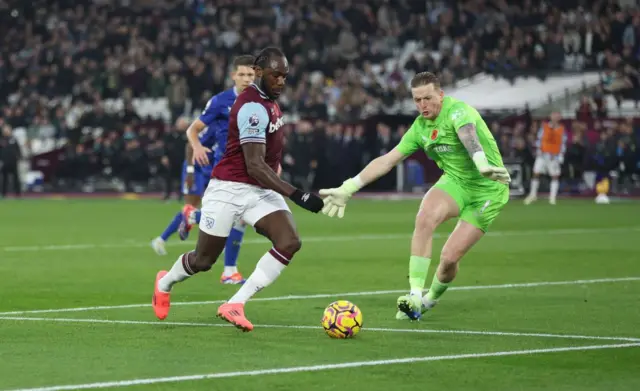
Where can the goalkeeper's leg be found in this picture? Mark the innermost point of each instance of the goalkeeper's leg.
(463, 237)
(475, 220)
(437, 206)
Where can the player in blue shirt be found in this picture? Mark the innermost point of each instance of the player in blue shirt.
(207, 141)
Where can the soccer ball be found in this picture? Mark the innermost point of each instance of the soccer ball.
(342, 319)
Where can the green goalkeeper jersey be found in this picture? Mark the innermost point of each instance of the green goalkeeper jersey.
(439, 139)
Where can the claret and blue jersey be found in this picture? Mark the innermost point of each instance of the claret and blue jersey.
(216, 117)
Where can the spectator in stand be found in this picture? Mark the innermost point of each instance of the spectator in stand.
(70, 58)
(10, 155)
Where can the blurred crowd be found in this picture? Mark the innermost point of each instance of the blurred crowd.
(603, 146)
(61, 60)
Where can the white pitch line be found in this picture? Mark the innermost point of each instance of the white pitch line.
(315, 239)
(316, 368)
(329, 295)
(307, 327)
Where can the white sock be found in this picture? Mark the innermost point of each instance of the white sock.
(535, 182)
(429, 303)
(555, 184)
(267, 271)
(176, 274)
(230, 270)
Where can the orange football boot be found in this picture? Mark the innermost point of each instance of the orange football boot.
(234, 279)
(161, 300)
(234, 314)
(185, 227)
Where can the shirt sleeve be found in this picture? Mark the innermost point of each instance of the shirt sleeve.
(539, 139)
(461, 114)
(409, 142)
(252, 120)
(210, 111)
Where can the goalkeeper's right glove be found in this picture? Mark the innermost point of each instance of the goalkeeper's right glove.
(498, 174)
(336, 200)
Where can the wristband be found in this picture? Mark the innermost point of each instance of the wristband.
(190, 169)
(354, 184)
(358, 181)
(480, 159)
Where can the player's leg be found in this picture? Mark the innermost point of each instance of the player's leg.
(554, 172)
(190, 213)
(463, 237)
(442, 202)
(272, 218)
(202, 259)
(231, 275)
(539, 167)
(192, 198)
(475, 220)
(218, 217)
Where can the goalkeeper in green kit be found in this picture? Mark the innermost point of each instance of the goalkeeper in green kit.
(474, 187)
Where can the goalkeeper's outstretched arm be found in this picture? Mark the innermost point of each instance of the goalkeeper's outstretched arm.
(336, 199)
(377, 168)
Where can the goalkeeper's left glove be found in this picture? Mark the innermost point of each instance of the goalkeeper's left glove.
(336, 200)
(498, 174)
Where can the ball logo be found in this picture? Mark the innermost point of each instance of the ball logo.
(254, 120)
(273, 127)
(434, 134)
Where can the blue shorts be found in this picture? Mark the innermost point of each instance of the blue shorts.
(200, 181)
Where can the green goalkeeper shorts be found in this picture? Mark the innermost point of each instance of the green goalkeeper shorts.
(479, 208)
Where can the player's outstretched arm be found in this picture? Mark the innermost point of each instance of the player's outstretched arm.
(469, 138)
(258, 169)
(198, 151)
(336, 199)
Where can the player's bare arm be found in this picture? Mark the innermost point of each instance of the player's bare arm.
(196, 152)
(259, 170)
(336, 199)
(469, 138)
(380, 166)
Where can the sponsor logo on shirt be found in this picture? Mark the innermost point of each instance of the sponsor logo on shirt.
(273, 127)
(442, 148)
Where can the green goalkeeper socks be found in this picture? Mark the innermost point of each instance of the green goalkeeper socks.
(418, 268)
(437, 289)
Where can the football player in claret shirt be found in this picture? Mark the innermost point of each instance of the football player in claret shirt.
(207, 140)
(245, 185)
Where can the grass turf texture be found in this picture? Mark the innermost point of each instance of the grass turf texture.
(64, 254)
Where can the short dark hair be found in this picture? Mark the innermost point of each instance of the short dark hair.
(265, 56)
(424, 79)
(245, 60)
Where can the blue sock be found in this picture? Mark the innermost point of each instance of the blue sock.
(172, 227)
(232, 247)
(197, 212)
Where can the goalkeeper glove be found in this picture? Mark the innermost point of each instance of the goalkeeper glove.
(498, 174)
(336, 200)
